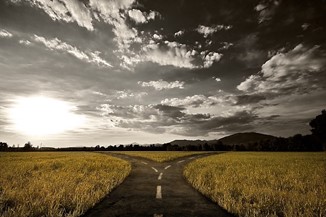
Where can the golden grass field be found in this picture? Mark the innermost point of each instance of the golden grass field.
(263, 184)
(160, 156)
(56, 184)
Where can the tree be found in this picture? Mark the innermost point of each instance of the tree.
(3, 146)
(28, 146)
(318, 126)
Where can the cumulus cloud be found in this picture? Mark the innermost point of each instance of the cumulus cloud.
(199, 101)
(25, 42)
(158, 36)
(57, 44)
(179, 33)
(137, 16)
(142, 17)
(210, 58)
(217, 79)
(209, 30)
(160, 84)
(174, 54)
(170, 53)
(5, 34)
(299, 70)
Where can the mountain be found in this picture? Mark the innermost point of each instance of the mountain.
(245, 138)
(235, 139)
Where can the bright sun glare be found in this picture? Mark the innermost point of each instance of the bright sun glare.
(43, 116)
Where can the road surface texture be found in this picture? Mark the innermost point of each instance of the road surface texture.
(156, 190)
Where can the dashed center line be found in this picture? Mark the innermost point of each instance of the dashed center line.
(167, 167)
(158, 215)
(159, 192)
(144, 163)
(181, 161)
(191, 157)
(155, 169)
(160, 176)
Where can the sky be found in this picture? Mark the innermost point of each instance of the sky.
(104, 72)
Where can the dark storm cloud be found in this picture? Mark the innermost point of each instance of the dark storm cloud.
(177, 120)
(249, 99)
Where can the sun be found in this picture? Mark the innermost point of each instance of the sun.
(39, 116)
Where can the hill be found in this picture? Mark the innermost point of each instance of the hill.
(245, 138)
(235, 139)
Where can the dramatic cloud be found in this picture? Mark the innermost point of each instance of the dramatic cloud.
(175, 120)
(5, 34)
(267, 9)
(289, 72)
(66, 10)
(114, 12)
(187, 70)
(160, 84)
(57, 44)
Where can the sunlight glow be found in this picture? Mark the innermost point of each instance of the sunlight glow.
(43, 116)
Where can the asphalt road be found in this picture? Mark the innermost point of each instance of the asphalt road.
(156, 190)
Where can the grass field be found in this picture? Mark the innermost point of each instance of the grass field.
(56, 184)
(263, 184)
(159, 156)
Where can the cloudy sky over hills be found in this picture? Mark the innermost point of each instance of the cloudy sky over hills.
(88, 72)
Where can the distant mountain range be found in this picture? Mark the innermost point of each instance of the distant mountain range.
(235, 139)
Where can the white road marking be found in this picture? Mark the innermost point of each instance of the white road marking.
(181, 161)
(167, 167)
(144, 163)
(158, 215)
(191, 157)
(160, 176)
(159, 192)
(155, 169)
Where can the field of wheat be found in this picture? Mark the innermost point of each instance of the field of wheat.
(56, 184)
(160, 156)
(263, 184)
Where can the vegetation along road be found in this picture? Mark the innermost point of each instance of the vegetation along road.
(156, 189)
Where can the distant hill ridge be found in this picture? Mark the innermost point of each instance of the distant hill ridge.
(234, 139)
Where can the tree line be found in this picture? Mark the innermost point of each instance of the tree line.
(316, 141)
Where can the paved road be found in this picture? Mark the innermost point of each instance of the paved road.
(156, 190)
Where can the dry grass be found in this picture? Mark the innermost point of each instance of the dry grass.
(56, 184)
(160, 156)
(263, 184)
